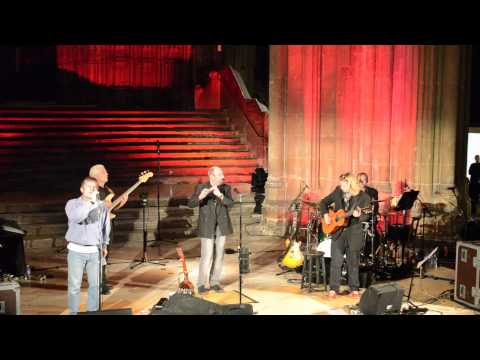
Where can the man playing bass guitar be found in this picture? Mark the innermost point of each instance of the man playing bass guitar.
(348, 239)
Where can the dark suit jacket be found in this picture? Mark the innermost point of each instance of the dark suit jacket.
(213, 211)
(336, 197)
(373, 193)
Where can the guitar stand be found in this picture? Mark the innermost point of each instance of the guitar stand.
(285, 272)
(144, 259)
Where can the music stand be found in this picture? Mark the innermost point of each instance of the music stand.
(144, 259)
(405, 203)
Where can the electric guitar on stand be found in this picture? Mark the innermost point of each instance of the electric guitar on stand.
(185, 287)
(294, 256)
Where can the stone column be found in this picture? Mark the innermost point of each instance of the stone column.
(275, 207)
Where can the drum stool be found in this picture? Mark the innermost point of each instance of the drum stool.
(313, 270)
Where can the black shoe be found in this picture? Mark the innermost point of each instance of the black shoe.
(202, 290)
(217, 288)
(106, 290)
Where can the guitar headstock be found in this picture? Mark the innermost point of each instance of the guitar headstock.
(144, 176)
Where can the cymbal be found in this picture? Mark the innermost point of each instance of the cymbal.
(312, 204)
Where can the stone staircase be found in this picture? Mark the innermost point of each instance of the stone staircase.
(55, 148)
(44, 154)
(46, 224)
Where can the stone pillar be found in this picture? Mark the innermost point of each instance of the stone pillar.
(438, 119)
(275, 207)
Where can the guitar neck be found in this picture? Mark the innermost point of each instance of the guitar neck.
(128, 192)
(184, 266)
(184, 263)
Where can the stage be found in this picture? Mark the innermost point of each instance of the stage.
(142, 287)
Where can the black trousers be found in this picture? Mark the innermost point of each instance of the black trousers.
(349, 242)
(474, 201)
(104, 267)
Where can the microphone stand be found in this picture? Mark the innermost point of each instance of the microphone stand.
(100, 254)
(414, 308)
(144, 259)
(245, 253)
(158, 190)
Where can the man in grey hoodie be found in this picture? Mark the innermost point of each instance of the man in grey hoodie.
(88, 233)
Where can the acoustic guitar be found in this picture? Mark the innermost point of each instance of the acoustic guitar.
(339, 219)
(185, 287)
(142, 178)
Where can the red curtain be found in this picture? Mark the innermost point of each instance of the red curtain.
(137, 66)
(359, 111)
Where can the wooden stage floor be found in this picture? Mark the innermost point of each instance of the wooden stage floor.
(141, 288)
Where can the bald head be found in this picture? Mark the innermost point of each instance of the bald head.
(215, 175)
(99, 173)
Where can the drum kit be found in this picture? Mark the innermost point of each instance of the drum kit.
(383, 249)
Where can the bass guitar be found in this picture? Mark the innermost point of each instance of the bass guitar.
(142, 178)
(339, 219)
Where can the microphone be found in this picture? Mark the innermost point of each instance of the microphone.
(96, 197)
(158, 147)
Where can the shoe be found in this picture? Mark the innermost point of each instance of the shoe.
(202, 290)
(332, 294)
(106, 290)
(217, 288)
(355, 294)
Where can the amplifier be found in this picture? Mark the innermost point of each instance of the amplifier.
(12, 250)
(467, 274)
(9, 298)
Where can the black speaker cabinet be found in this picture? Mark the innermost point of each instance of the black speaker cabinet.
(12, 251)
(398, 232)
(127, 311)
(9, 298)
(180, 304)
(381, 299)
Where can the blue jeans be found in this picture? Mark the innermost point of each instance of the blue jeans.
(77, 263)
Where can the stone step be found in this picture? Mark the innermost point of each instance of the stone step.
(133, 231)
(41, 120)
(164, 157)
(120, 148)
(127, 174)
(144, 140)
(135, 239)
(4, 111)
(172, 213)
(111, 127)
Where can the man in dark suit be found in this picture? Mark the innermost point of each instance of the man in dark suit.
(213, 198)
(349, 239)
(372, 192)
(474, 185)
